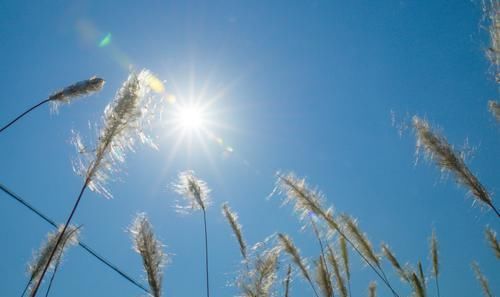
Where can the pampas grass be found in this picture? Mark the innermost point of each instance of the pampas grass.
(42, 257)
(232, 218)
(151, 251)
(259, 280)
(483, 281)
(395, 263)
(418, 287)
(344, 253)
(437, 148)
(123, 122)
(323, 277)
(294, 253)
(336, 271)
(435, 259)
(491, 237)
(195, 192)
(491, 10)
(65, 96)
(494, 109)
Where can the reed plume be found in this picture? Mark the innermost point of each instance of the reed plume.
(306, 200)
(418, 287)
(435, 259)
(66, 95)
(294, 253)
(323, 278)
(360, 239)
(483, 281)
(232, 218)
(403, 274)
(422, 277)
(336, 271)
(491, 10)
(195, 192)
(491, 237)
(42, 256)
(260, 273)
(372, 289)
(124, 119)
(495, 109)
(344, 253)
(437, 148)
(151, 251)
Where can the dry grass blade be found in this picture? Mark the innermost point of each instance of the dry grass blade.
(395, 263)
(437, 148)
(232, 219)
(323, 278)
(494, 109)
(42, 257)
(151, 251)
(491, 237)
(294, 253)
(336, 271)
(483, 281)
(372, 289)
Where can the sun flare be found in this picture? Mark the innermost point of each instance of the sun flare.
(190, 118)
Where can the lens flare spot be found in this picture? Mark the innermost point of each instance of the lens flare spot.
(155, 84)
(105, 41)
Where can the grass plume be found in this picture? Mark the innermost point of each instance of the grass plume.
(151, 251)
(483, 281)
(491, 237)
(196, 193)
(294, 253)
(66, 95)
(287, 280)
(418, 287)
(42, 257)
(438, 149)
(332, 258)
(232, 219)
(323, 278)
(395, 263)
(344, 253)
(434, 251)
(494, 107)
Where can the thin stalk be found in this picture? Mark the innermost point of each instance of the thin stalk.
(81, 244)
(60, 237)
(320, 242)
(437, 286)
(206, 251)
(23, 114)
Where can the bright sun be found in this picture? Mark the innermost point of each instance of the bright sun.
(190, 118)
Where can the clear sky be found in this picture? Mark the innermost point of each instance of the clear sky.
(305, 86)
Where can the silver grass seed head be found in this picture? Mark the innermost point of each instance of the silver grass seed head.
(232, 218)
(124, 122)
(491, 237)
(494, 107)
(41, 257)
(194, 191)
(437, 148)
(151, 251)
(483, 281)
(289, 247)
(78, 89)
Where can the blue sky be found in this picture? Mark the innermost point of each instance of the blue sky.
(306, 86)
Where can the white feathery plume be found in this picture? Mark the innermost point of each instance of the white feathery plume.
(124, 122)
(194, 191)
(41, 257)
(151, 251)
(78, 89)
(232, 218)
(437, 148)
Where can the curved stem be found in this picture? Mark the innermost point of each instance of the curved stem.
(23, 114)
(60, 237)
(437, 286)
(206, 251)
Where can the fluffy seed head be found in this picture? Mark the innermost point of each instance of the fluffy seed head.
(124, 122)
(41, 257)
(483, 281)
(151, 251)
(232, 219)
(194, 191)
(491, 237)
(323, 278)
(360, 240)
(294, 253)
(332, 258)
(79, 89)
(437, 148)
(395, 263)
(495, 108)
(434, 255)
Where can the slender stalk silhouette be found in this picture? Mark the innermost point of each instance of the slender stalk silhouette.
(195, 193)
(66, 95)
